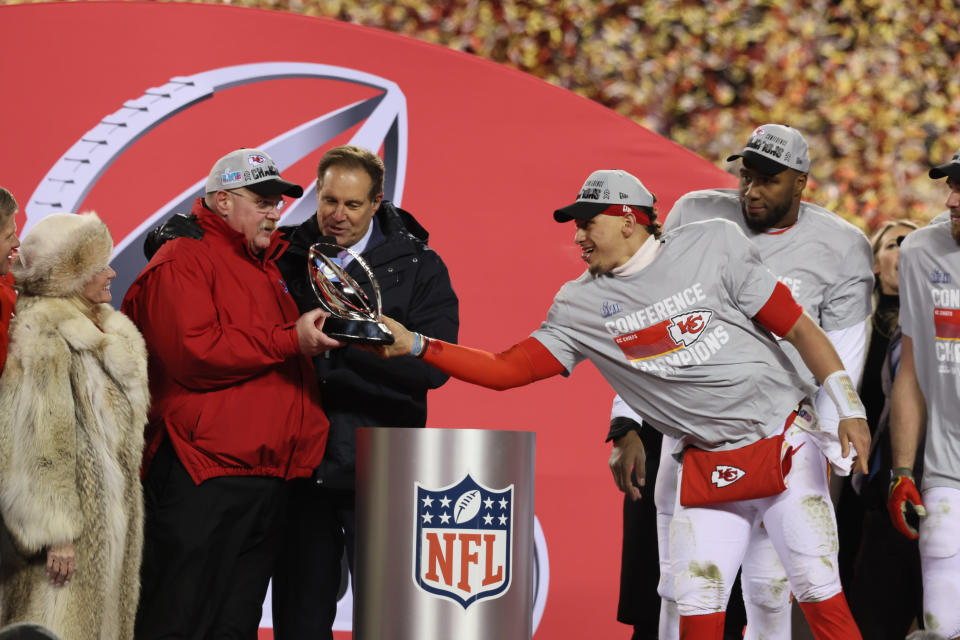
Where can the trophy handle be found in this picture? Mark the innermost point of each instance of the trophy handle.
(350, 287)
(373, 281)
(327, 293)
(351, 317)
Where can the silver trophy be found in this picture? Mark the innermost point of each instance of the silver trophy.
(353, 318)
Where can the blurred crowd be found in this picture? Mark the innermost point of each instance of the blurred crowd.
(868, 82)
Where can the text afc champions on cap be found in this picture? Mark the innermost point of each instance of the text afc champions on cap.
(253, 169)
(773, 148)
(603, 189)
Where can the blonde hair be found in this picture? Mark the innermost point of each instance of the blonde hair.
(885, 321)
(877, 236)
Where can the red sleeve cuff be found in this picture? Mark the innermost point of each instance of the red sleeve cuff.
(291, 342)
(780, 312)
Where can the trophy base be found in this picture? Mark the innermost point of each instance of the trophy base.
(357, 331)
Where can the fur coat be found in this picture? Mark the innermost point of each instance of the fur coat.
(73, 403)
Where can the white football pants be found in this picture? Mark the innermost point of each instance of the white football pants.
(940, 560)
(706, 547)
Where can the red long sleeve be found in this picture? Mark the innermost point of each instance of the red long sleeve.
(523, 363)
(780, 312)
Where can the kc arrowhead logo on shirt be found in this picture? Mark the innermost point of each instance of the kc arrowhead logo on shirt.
(676, 332)
(464, 536)
(725, 475)
(687, 327)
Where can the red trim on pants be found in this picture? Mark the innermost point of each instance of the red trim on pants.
(707, 627)
(831, 619)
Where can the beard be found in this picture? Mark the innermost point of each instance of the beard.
(771, 219)
(955, 230)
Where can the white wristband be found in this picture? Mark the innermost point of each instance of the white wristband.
(840, 388)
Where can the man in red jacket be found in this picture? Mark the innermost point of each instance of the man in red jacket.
(8, 244)
(236, 411)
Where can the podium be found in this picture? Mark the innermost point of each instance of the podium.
(445, 543)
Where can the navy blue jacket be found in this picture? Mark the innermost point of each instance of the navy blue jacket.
(359, 389)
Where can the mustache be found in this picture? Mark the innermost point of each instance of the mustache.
(268, 225)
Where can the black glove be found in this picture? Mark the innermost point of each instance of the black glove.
(178, 225)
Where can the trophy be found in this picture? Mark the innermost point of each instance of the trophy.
(352, 316)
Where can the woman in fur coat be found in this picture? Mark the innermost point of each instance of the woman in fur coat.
(73, 402)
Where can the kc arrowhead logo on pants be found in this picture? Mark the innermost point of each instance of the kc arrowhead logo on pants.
(724, 476)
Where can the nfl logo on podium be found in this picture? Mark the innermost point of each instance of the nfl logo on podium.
(463, 536)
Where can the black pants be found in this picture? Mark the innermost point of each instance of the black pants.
(309, 577)
(639, 603)
(851, 512)
(208, 554)
(887, 590)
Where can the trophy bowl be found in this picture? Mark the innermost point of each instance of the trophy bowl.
(353, 317)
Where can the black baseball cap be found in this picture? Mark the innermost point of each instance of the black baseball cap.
(951, 169)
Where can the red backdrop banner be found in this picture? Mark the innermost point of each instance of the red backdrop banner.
(481, 155)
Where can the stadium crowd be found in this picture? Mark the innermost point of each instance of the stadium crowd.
(869, 82)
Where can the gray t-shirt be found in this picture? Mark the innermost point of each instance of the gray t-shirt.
(676, 339)
(825, 261)
(930, 315)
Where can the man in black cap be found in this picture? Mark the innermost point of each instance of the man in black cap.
(235, 410)
(834, 289)
(924, 403)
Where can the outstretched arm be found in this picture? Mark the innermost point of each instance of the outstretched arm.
(523, 363)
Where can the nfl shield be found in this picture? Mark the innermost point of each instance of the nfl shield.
(463, 535)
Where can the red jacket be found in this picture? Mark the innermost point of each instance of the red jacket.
(8, 299)
(228, 383)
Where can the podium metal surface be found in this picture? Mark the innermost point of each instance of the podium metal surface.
(445, 534)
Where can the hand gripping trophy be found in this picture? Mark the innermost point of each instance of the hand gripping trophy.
(352, 316)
